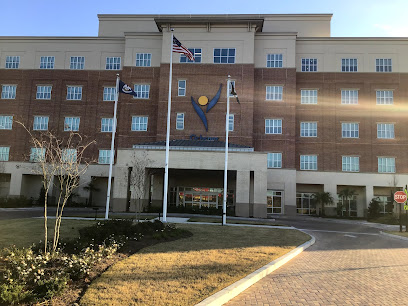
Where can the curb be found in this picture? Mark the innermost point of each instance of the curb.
(394, 236)
(236, 288)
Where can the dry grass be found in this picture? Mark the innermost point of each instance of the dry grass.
(232, 221)
(403, 234)
(185, 271)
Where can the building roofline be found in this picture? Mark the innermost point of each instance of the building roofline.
(351, 38)
(208, 16)
(93, 38)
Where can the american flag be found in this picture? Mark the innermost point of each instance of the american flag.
(179, 48)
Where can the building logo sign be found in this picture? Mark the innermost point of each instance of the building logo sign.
(203, 101)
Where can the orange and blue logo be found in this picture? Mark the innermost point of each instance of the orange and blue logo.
(203, 101)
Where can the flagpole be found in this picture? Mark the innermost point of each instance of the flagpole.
(166, 164)
(224, 202)
(112, 148)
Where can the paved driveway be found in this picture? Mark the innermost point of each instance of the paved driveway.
(348, 265)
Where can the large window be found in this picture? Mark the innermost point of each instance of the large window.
(109, 93)
(8, 91)
(40, 123)
(350, 163)
(274, 200)
(350, 130)
(274, 60)
(349, 65)
(224, 55)
(348, 206)
(349, 96)
(274, 93)
(104, 156)
(71, 124)
(309, 64)
(12, 62)
(181, 88)
(4, 153)
(273, 126)
(6, 122)
(69, 156)
(385, 96)
(74, 93)
(386, 204)
(196, 53)
(308, 96)
(139, 123)
(142, 91)
(305, 204)
(231, 123)
(37, 154)
(383, 65)
(308, 129)
(308, 162)
(77, 63)
(112, 63)
(180, 121)
(385, 130)
(386, 164)
(107, 125)
(274, 160)
(43, 92)
(47, 62)
(143, 59)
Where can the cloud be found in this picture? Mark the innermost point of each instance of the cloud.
(392, 30)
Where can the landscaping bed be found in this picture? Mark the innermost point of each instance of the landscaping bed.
(232, 221)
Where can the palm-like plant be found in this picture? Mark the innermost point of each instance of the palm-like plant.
(347, 194)
(323, 198)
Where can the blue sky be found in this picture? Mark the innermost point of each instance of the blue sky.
(79, 18)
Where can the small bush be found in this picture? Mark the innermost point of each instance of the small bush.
(20, 201)
(374, 209)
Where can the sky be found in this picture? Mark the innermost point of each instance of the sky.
(358, 18)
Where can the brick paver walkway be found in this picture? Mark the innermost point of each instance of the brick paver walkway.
(337, 270)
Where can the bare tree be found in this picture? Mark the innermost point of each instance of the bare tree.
(63, 159)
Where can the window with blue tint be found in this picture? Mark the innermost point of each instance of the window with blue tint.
(6, 122)
(8, 91)
(77, 63)
(71, 124)
(274, 160)
(139, 123)
(113, 63)
(143, 59)
(4, 153)
(47, 62)
(224, 55)
(43, 92)
(273, 126)
(12, 62)
(274, 60)
(142, 91)
(309, 64)
(196, 53)
(106, 124)
(40, 123)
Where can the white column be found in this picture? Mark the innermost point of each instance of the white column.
(15, 183)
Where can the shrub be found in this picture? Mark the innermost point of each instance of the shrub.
(20, 201)
(374, 209)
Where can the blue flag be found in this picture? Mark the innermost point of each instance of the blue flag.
(126, 89)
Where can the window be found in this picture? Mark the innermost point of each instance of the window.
(143, 59)
(40, 123)
(350, 163)
(74, 93)
(231, 123)
(383, 65)
(6, 122)
(386, 204)
(308, 129)
(274, 93)
(196, 53)
(224, 55)
(69, 156)
(12, 62)
(77, 63)
(385, 130)
(139, 123)
(71, 124)
(109, 93)
(112, 63)
(309, 64)
(8, 91)
(308, 96)
(232, 83)
(181, 88)
(305, 203)
(348, 206)
(386, 164)
(274, 160)
(274, 60)
(47, 62)
(180, 121)
(349, 64)
(273, 126)
(107, 125)
(349, 96)
(274, 202)
(4, 153)
(43, 92)
(350, 130)
(385, 96)
(308, 162)
(104, 156)
(37, 154)
(142, 91)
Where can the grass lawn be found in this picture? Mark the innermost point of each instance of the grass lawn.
(232, 221)
(185, 271)
(403, 234)
(25, 232)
